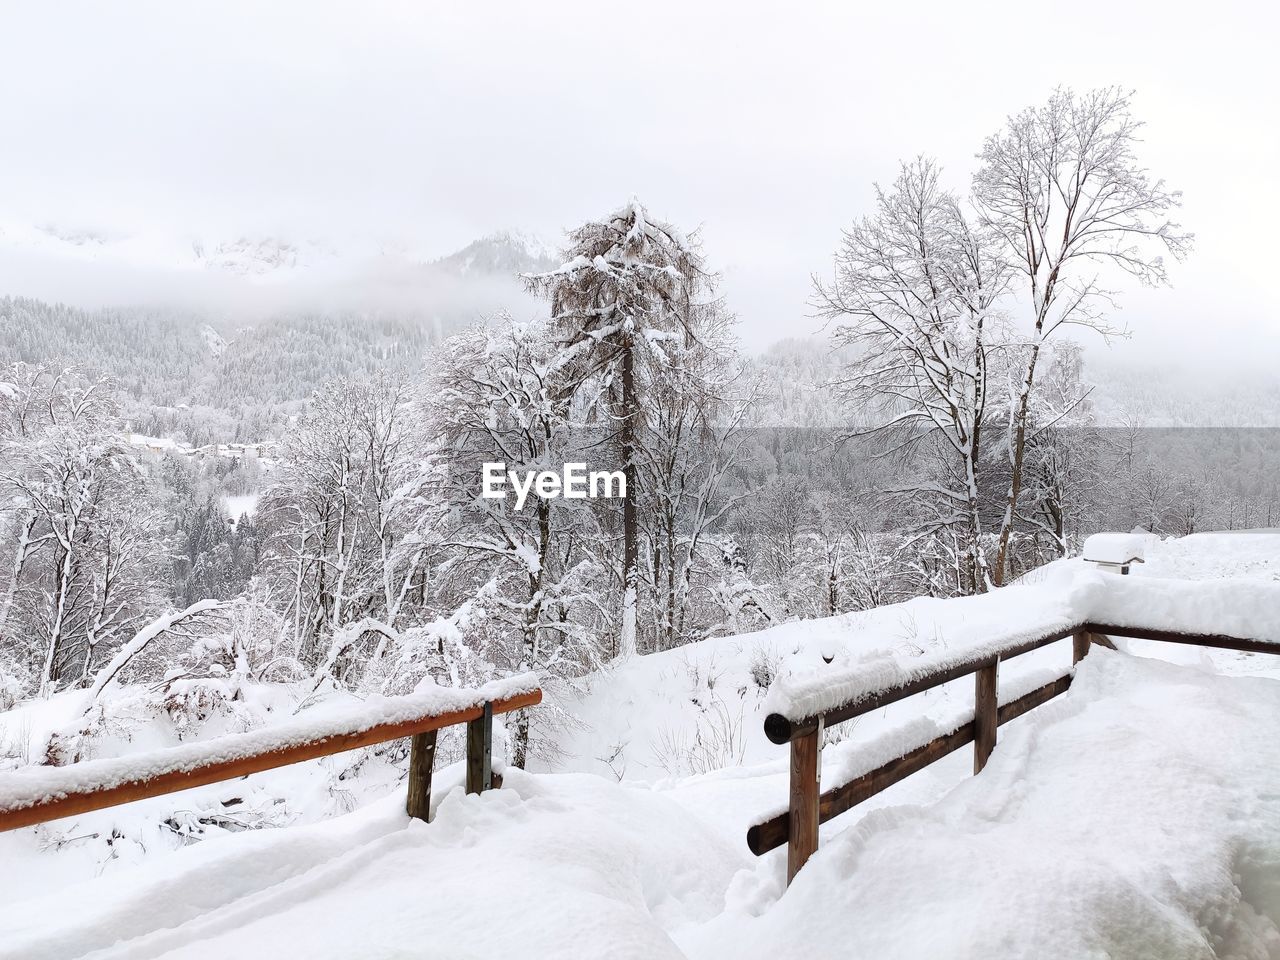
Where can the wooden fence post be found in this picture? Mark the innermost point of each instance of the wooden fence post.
(1079, 646)
(806, 790)
(480, 751)
(422, 755)
(986, 713)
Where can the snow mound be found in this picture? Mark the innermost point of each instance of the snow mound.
(1138, 816)
(548, 866)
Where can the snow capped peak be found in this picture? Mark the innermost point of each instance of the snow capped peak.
(534, 246)
(507, 252)
(87, 245)
(245, 256)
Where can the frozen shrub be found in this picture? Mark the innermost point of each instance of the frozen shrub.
(765, 663)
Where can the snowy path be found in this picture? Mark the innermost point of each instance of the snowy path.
(1138, 816)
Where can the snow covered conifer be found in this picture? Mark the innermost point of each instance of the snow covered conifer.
(627, 296)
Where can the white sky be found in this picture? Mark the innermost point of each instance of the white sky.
(435, 123)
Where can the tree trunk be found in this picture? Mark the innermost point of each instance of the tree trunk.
(62, 589)
(520, 742)
(19, 561)
(630, 518)
(1019, 447)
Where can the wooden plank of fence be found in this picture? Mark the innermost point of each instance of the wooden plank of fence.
(774, 832)
(1221, 641)
(422, 756)
(1029, 701)
(985, 713)
(806, 791)
(780, 729)
(989, 715)
(73, 802)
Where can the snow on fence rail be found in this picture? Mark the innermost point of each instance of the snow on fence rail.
(1108, 605)
(36, 794)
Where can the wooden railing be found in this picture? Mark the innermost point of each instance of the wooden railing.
(810, 806)
(36, 794)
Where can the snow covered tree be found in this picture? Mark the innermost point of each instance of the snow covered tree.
(495, 396)
(744, 605)
(694, 415)
(1064, 457)
(215, 557)
(1062, 190)
(781, 513)
(86, 565)
(333, 510)
(627, 296)
(914, 295)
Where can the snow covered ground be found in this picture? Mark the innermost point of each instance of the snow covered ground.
(702, 706)
(1137, 816)
(240, 506)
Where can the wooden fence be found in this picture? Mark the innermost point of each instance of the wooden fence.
(52, 793)
(810, 806)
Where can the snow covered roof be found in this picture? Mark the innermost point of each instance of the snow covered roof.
(1115, 547)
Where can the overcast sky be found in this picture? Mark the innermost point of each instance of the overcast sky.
(766, 124)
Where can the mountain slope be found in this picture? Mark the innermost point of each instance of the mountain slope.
(231, 366)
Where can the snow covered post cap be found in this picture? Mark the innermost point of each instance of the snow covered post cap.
(1115, 551)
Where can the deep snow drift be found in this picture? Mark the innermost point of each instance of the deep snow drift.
(1138, 816)
(1134, 817)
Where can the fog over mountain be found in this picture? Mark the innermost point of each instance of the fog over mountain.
(242, 278)
(767, 129)
(225, 340)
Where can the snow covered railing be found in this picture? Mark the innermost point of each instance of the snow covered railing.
(35, 794)
(1231, 615)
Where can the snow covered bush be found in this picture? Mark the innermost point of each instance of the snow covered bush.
(12, 685)
(764, 666)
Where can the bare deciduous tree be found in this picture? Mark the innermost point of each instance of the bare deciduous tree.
(914, 295)
(333, 509)
(1063, 192)
(494, 396)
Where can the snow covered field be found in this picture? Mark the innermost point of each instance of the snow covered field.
(1137, 816)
